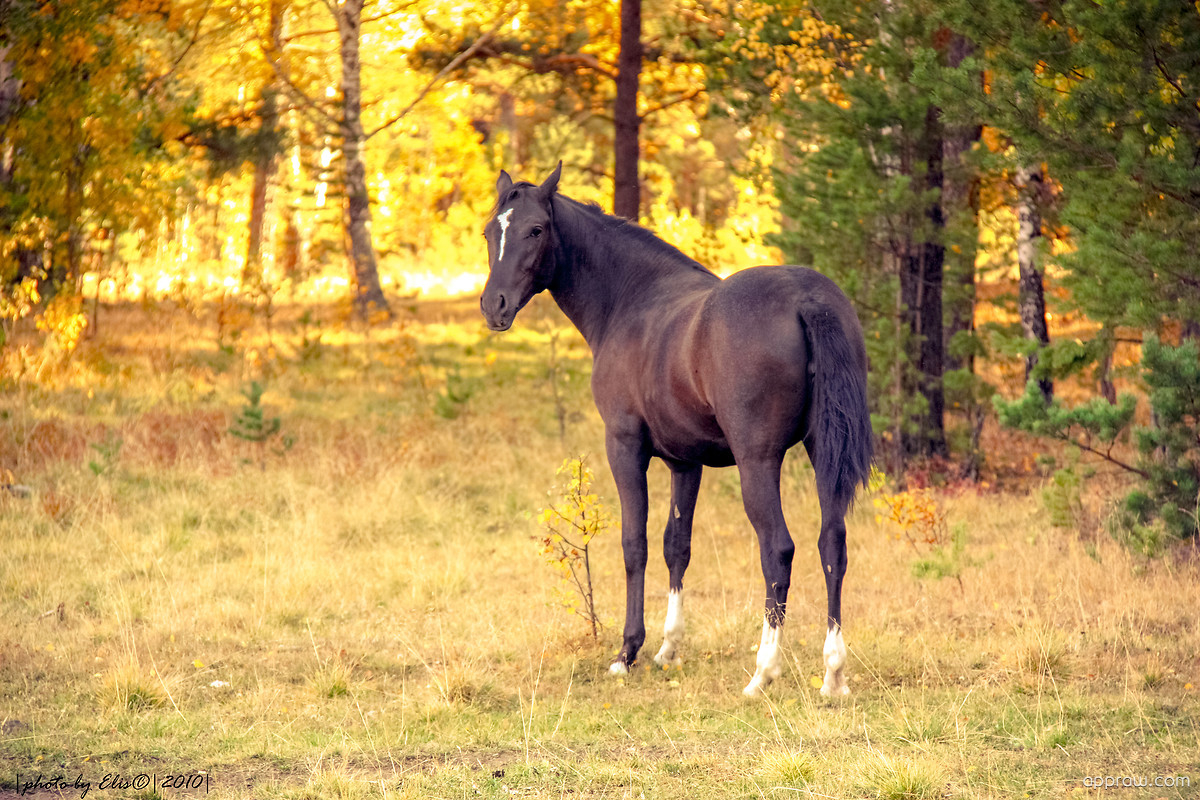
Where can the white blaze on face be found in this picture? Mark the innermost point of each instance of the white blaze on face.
(672, 630)
(504, 220)
(768, 665)
(835, 660)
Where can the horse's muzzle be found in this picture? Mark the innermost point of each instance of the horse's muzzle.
(499, 327)
(498, 313)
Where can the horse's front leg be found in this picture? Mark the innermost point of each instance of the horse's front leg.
(628, 457)
(677, 550)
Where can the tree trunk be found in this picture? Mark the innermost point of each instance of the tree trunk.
(921, 289)
(266, 157)
(959, 204)
(1104, 381)
(10, 87)
(368, 293)
(26, 261)
(1031, 297)
(626, 184)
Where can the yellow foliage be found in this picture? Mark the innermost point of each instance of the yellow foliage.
(917, 513)
(16, 302)
(64, 321)
(569, 525)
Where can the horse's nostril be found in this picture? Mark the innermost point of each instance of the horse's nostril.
(501, 304)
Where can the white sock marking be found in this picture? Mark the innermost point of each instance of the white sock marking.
(504, 220)
(672, 630)
(768, 664)
(835, 660)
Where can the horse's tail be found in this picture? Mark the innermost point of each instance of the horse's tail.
(839, 437)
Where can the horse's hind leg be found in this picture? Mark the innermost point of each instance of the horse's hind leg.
(832, 545)
(677, 550)
(760, 496)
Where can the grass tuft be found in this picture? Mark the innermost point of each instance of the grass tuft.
(891, 778)
(924, 727)
(330, 784)
(332, 679)
(128, 687)
(1044, 655)
(793, 769)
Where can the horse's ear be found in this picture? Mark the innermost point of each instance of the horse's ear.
(503, 183)
(551, 184)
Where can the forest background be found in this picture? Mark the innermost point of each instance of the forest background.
(972, 175)
(275, 507)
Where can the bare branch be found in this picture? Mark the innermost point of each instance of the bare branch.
(446, 70)
(328, 31)
(563, 61)
(302, 98)
(1104, 454)
(183, 54)
(683, 98)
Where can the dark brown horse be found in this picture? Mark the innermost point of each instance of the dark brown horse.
(697, 371)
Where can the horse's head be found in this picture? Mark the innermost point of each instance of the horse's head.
(518, 235)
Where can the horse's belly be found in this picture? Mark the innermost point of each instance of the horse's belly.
(700, 442)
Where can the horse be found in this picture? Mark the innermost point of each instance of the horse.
(697, 371)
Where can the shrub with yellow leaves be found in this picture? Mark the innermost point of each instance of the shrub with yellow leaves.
(63, 321)
(918, 515)
(569, 524)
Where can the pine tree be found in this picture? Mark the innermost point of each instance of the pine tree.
(861, 185)
(1106, 95)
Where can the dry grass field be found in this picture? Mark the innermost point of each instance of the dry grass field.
(357, 607)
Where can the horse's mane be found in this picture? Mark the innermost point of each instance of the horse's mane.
(594, 231)
(591, 230)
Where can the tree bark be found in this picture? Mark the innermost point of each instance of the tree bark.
(959, 203)
(369, 296)
(266, 156)
(921, 280)
(10, 87)
(27, 261)
(626, 184)
(1031, 297)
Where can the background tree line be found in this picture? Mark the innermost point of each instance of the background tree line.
(918, 152)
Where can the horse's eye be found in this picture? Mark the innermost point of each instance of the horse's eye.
(536, 232)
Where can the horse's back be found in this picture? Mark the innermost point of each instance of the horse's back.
(766, 290)
(769, 306)
(711, 370)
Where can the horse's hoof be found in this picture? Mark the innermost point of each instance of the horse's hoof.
(755, 687)
(835, 691)
(667, 658)
(618, 668)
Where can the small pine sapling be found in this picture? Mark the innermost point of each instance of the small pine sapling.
(107, 453)
(253, 425)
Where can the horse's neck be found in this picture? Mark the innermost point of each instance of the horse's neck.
(596, 278)
(586, 295)
(589, 280)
